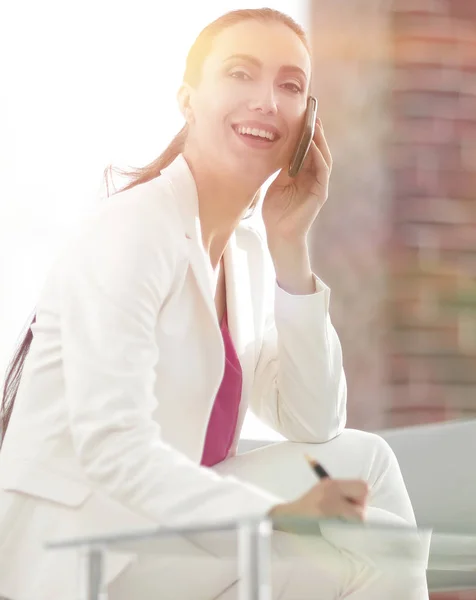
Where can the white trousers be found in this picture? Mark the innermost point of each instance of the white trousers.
(310, 568)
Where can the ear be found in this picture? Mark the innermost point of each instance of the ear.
(184, 97)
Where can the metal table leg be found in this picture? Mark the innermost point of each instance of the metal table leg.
(91, 574)
(254, 555)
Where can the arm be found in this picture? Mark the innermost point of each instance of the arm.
(300, 388)
(113, 284)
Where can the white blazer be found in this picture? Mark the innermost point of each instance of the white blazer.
(124, 367)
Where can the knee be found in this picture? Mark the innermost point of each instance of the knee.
(369, 447)
(367, 440)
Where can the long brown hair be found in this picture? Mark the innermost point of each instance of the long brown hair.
(193, 70)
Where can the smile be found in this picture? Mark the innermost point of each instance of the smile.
(256, 135)
(253, 132)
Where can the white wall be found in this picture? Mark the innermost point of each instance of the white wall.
(82, 85)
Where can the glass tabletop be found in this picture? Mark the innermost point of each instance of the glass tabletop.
(253, 545)
(447, 550)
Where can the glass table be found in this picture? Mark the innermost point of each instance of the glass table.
(389, 546)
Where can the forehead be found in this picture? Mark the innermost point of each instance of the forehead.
(274, 44)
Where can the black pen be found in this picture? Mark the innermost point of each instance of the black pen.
(323, 474)
(317, 468)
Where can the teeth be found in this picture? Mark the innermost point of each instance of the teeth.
(256, 132)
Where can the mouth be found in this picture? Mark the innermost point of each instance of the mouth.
(255, 133)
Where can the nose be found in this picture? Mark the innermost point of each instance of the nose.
(264, 100)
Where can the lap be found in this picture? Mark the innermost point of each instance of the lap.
(312, 571)
(281, 467)
(299, 569)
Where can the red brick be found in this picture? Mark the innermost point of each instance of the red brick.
(436, 210)
(465, 129)
(408, 396)
(418, 77)
(420, 7)
(466, 109)
(416, 416)
(407, 312)
(458, 185)
(427, 52)
(462, 9)
(468, 154)
(424, 130)
(424, 104)
(401, 415)
(448, 157)
(422, 342)
(447, 184)
(456, 370)
(406, 183)
(431, 29)
(468, 80)
(440, 236)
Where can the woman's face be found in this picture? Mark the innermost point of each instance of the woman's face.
(246, 114)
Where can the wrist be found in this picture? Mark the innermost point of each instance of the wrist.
(281, 246)
(294, 275)
(274, 510)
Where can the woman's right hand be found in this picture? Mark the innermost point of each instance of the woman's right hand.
(345, 498)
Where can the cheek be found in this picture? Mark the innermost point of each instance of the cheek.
(215, 108)
(295, 125)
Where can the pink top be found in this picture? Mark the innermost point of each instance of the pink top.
(224, 415)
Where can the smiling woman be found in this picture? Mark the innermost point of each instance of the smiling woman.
(161, 323)
(219, 85)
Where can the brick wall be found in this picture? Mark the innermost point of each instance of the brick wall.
(397, 239)
(432, 258)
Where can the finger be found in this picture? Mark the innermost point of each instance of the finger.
(351, 512)
(355, 490)
(348, 508)
(315, 160)
(320, 140)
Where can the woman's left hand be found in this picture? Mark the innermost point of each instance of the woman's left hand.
(292, 204)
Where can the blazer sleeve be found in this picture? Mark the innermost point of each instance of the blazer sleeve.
(299, 386)
(113, 282)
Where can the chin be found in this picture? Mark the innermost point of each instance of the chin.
(256, 169)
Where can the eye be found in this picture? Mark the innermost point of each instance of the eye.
(292, 87)
(240, 75)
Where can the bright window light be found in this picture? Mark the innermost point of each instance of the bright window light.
(85, 84)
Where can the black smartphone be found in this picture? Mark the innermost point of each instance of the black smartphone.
(306, 137)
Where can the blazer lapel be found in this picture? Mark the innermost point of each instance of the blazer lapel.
(185, 192)
(240, 307)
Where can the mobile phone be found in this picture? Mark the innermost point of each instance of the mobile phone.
(306, 137)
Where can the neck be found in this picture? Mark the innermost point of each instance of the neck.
(222, 200)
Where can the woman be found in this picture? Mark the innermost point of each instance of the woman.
(156, 330)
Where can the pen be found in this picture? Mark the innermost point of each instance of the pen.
(317, 468)
(322, 473)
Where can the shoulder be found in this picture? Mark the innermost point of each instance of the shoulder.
(135, 233)
(146, 209)
(143, 216)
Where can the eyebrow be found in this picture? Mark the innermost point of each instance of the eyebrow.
(253, 60)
